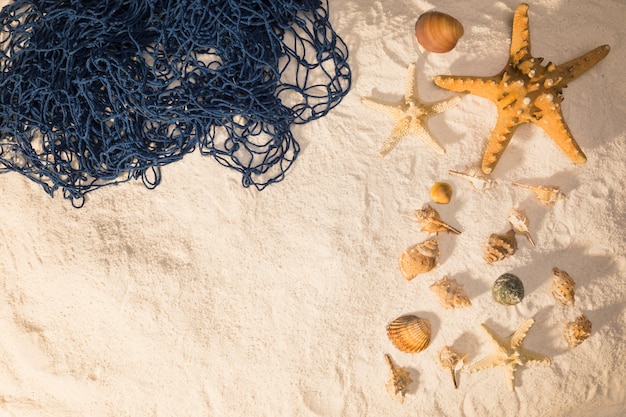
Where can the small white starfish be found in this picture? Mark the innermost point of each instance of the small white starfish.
(410, 115)
(509, 353)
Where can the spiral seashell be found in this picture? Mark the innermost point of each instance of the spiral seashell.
(577, 331)
(419, 259)
(508, 290)
(562, 287)
(451, 294)
(519, 223)
(500, 246)
(451, 360)
(441, 192)
(547, 194)
(438, 32)
(399, 381)
(431, 222)
(475, 177)
(410, 334)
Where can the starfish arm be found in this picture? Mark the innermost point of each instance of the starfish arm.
(400, 130)
(485, 363)
(517, 338)
(418, 128)
(500, 138)
(486, 87)
(570, 70)
(520, 37)
(497, 339)
(390, 109)
(410, 84)
(550, 118)
(529, 356)
(444, 105)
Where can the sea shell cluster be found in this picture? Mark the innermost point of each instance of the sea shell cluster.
(409, 333)
(438, 32)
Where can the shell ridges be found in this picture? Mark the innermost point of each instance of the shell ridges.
(409, 333)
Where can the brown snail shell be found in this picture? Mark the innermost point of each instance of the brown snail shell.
(500, 246)
(419, 259)
(577, 331)
(562, 287)
(409, 333)
(438, 32)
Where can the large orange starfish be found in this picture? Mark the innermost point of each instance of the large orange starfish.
(525, 91)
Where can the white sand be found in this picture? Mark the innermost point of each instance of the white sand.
(202, 298)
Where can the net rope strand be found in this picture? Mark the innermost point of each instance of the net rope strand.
(100, 92)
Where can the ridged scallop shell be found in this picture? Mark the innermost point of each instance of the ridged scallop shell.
(451, 360)
(450, 293)
(409, 333)
(431, 222)
(547, 194)
(577, 331)
(562, 287)
(441, 192)
(438, 32)
(419, 259)
(399, 382)
(500, 246)
(508, 289)
(519, 223)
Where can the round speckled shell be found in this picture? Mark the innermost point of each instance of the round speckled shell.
(508, 290)
(577, 331)
(409, 333)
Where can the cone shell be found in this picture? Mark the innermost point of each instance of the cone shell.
(508, 290)
(410, 334)
(419, 259)
(450, 293)
(399, 381)
(577, 331)
(562, 287)
(500, 246)
(441, 192)
(438, 32)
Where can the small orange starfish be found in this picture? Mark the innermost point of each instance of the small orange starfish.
(525, 91)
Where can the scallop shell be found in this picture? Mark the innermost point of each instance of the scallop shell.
(479, 182)
(547, 194)
(450, 293)
(577, 331)
(562, 287)
(451, 360)
(508, 289)
(441, 192)
(431, 222)
(399, 381)
(438, 32)
(500, 246)
(410, 334)
(519, 223)
(419, 259)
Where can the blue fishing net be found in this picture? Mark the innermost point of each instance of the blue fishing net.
(99, 92)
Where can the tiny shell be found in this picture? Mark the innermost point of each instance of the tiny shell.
(438, 32)
(479, 181)
(508, 290)
(419, 259)
(519, 222)
(450, 293)
(577, 331)
(431, 222)
(409, 333)
(562, 287)
(451, 360)
(500, 246)
(441, 192)
(399, 381)
(547, 194)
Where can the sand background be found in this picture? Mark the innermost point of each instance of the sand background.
(202, 298)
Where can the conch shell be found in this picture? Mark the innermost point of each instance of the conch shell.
(409, 333)
(500, 246)
(519, 222)
(431, 222)
(547, 194)
(562, 287)
(438, 32)
(577, 331)
(450, 293)
(441, 192)
(399, 382)
(479, 181)
(419, 259)
(451, 360)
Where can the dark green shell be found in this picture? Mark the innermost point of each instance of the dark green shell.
(508, 289)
